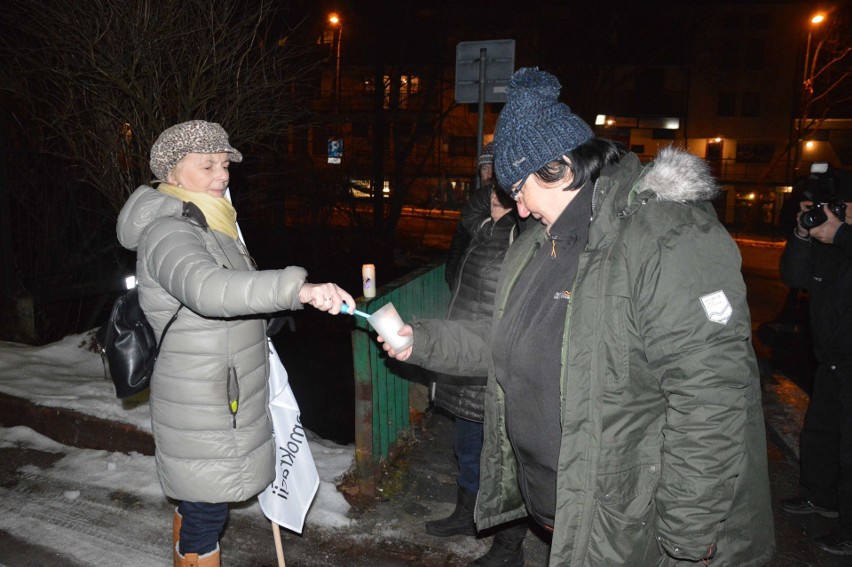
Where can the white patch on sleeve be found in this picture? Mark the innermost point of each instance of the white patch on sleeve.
(717, 307)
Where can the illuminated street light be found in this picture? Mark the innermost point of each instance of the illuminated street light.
(806, 76)
(807, 90)
(335, 20)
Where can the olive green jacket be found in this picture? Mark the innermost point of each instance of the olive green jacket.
(663, 451)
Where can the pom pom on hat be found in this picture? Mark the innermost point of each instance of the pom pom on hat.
(193, 137)
(529, 81)
(534, 128)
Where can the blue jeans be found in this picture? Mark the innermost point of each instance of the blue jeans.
(201, 526)
(467, 443)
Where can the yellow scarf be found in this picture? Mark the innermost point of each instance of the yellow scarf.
(219, 212)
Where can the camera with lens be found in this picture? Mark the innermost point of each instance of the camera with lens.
(823, 191)
(815, 215)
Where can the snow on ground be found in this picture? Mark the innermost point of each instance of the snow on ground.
(67, 374)
(131, 472)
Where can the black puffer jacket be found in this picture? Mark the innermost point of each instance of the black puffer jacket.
(473, 299)
(477, 209)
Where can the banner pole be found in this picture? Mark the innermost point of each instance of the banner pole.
(279, 549)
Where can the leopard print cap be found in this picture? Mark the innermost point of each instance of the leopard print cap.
(193, 137)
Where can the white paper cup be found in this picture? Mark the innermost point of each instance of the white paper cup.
(387, 322)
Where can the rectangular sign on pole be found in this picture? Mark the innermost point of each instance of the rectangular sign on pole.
(499, 66)
(335, 150)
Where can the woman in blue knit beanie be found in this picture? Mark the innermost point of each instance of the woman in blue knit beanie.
(622, 408)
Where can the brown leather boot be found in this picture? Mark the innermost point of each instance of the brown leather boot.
(194, 560)
(176, 523)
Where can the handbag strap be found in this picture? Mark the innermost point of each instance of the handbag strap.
(166, 330)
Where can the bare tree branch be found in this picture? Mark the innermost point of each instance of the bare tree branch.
(102, 78)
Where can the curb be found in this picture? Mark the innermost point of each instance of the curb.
(74, 428)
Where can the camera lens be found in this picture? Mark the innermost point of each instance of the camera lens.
(814, 216)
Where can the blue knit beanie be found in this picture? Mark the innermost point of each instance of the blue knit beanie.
(534, 128)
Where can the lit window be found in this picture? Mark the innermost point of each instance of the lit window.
(408, 85)
(363, 188)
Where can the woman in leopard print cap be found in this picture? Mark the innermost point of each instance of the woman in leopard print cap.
(213, 437)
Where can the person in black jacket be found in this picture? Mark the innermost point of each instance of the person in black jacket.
(818, 257)
(477, 206)
(490, 224)
(787, 318)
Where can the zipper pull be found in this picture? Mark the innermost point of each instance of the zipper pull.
(233, 391)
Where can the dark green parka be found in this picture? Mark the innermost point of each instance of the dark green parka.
(663, 450)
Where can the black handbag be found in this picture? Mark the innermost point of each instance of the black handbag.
(127, 345)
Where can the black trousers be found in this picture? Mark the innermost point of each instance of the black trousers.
(825, 467)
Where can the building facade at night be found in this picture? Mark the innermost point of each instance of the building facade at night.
(726, 80)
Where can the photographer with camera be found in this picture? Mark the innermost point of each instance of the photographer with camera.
(818, 257)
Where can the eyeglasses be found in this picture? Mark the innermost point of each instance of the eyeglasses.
(515, 195)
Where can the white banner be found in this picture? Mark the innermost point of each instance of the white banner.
(286, 501)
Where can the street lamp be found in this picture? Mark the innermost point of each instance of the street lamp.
(807, 75)
(335, 20)
(807, 88)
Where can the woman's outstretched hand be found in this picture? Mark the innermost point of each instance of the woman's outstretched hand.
(326, 297)
(402, 355)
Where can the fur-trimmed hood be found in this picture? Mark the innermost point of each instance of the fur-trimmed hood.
(676, 175)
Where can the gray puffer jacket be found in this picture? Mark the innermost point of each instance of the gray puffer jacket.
(214, 350)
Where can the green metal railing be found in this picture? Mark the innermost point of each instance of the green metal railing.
(381, 385)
